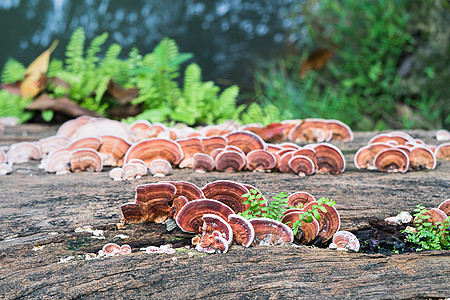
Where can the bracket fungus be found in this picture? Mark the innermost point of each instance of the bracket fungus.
(67, 129)
(214, 142)
(23, 152)
(212, 222)
(243, 230)
(230, 161)
(189, 218)
(212, 243)
(300, 199)
(85, 142)
(284, 162)
(100, 126)
(443, 151)
(329, 159)
(329, 222)
(261, 160)
(142, 129)
(301, 165)
(160, 168)
(155, 148)
(443, 135)
(246, 141)
(228, 192)
(2, 156)
(85, 159)
(53, 143)
(436, 216)
(113, 149)
(59, 162)
(346, 240)
(311, 130)
(421, 157)
(392, 160)
(445, 207)
(202, 163)
(307, 232)
(5, 168)
(112, 249)
(190, 147)
(271, 232)
(178, 204)
(116, 174)
(186, 189)
(129, 171)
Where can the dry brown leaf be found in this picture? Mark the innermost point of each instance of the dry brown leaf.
(62, 105)
(33, 83)
(315, 61)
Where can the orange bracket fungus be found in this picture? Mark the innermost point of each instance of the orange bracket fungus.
(443, 151)
(443, 135)
(422, 158)
(228, 192)
(329, 222)
(301, 165)
(190, 147)
(155, 148)
(23, 152)
(129, 171)
(160, 168)
(271, 232)
(113, 149)
(187, 189)
(142, 129)
(246, 141)
(202, 163)
(230, 161)
(243, 230)
(300, 199)
(345, 240)
(2, 156)
(85, 142)
(178, 204)
(116, 174)
(211, 143)
(307, 232)
(329, 159)
(392, 160)
(59, 162)
(445, 207)
(189, 218)
(212, 222)
(85, 159)
(261, 160)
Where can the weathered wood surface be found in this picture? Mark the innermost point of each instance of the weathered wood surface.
(44, 209)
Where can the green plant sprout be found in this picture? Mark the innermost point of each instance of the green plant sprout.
(260, 207)
(428, 236)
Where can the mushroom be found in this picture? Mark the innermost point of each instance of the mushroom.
(310, 153)
(216, 152)
(187, 189)
(100, 126)
(443, 135)
(155, 148)
(85, 159)
(190, 147)
(246, 141)
(270, 232)
(160, 130)
(129, 171)
(443, 151)
(436, 217)
(212, 222)
(400, 137)
(284, 162)
(300, 199)
(141, 167)
(5, 168)
(311, 130)
(230, 161)
(112, 249)
(392, 160)
(329, 222)
(340, 130)
(273, 148)
(301, 165)
(67, 129)
(52, 143)
(178, 204)
(212, 243)
(160, 168)
(274, 132)
(59, 162)
(445, 207)
(307, 232)
(346, 240)
(211, 143)
(2, 156)
(85, 142)
(329, 159)
(189, 218)
(202, 163)
(421, 157)
(261, 161)
(23, 152)
(289, 145)
(116, 174)
(243, 230)
(142, 129)
(112, 149)
(228, 192)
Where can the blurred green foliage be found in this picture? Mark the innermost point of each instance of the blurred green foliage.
(14, 106)
(363, 83)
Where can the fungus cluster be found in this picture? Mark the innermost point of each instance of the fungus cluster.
(399, 152)
(436, 215)
(88, 143)
(212, 212)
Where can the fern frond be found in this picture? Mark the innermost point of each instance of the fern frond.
(14, 106)
(13, 71)
(54, 67)
(93, 50)
(75, 51)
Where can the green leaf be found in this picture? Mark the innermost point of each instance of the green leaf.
(47, 115)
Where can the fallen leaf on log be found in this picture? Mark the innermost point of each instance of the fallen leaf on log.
(315, 61)
(61, 105)
(120, 94)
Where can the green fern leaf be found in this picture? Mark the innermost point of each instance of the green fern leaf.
(75, 51)
(13, 71)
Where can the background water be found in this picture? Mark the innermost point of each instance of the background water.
(227, 37)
